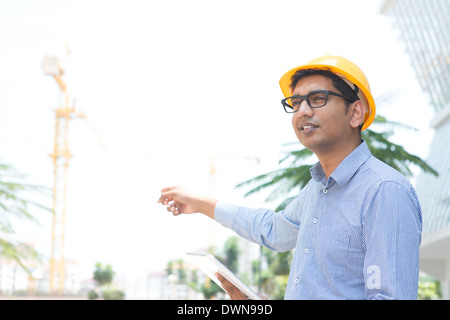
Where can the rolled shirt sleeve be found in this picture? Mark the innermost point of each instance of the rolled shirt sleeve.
(265, 227)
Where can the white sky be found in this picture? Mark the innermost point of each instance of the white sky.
(167, 84)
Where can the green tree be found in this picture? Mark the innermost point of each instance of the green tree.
(169, 267)
(111, 292)
(229, 257)
(231, 254)
(103, 276)
(14, 205)
(182, 275)
(210, 289)
(193, 282)
(429, 288)
(273, 280)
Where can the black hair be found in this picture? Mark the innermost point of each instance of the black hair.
(337, 82)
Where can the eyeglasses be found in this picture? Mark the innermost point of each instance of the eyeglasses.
(315, 99)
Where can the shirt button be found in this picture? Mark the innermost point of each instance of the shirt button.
(315, 220)
(306, 250)
(296, 280)
(325, 190)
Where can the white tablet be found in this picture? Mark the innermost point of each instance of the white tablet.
(210, 265)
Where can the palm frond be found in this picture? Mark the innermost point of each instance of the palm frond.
(295, 175)
(14, 204)
(383, 121)
(393, 154)
(19, 252)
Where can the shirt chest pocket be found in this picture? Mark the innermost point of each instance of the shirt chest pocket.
(332, 251)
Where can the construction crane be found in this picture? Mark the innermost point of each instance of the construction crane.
(61, 156)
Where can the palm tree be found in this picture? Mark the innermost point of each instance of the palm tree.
(291, 178)
(12, 204)
(231, 254)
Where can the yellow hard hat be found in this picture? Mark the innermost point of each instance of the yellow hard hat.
(345, 69)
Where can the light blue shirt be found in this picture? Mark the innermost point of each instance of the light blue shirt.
(356, 234)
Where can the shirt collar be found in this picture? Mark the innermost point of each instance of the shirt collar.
(346, 169)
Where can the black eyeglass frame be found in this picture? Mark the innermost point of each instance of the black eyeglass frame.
(289, 109)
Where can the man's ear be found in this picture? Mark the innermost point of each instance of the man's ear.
(357, 113)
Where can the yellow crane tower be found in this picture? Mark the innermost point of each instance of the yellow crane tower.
(61, 155)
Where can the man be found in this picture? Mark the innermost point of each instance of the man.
(356, 226)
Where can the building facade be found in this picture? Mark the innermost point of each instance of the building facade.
(424, 27)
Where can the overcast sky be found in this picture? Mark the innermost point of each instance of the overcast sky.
(167, 85)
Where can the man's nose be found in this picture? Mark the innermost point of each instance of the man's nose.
(304, 110)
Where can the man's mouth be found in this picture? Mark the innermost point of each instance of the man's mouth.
(308, 127)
